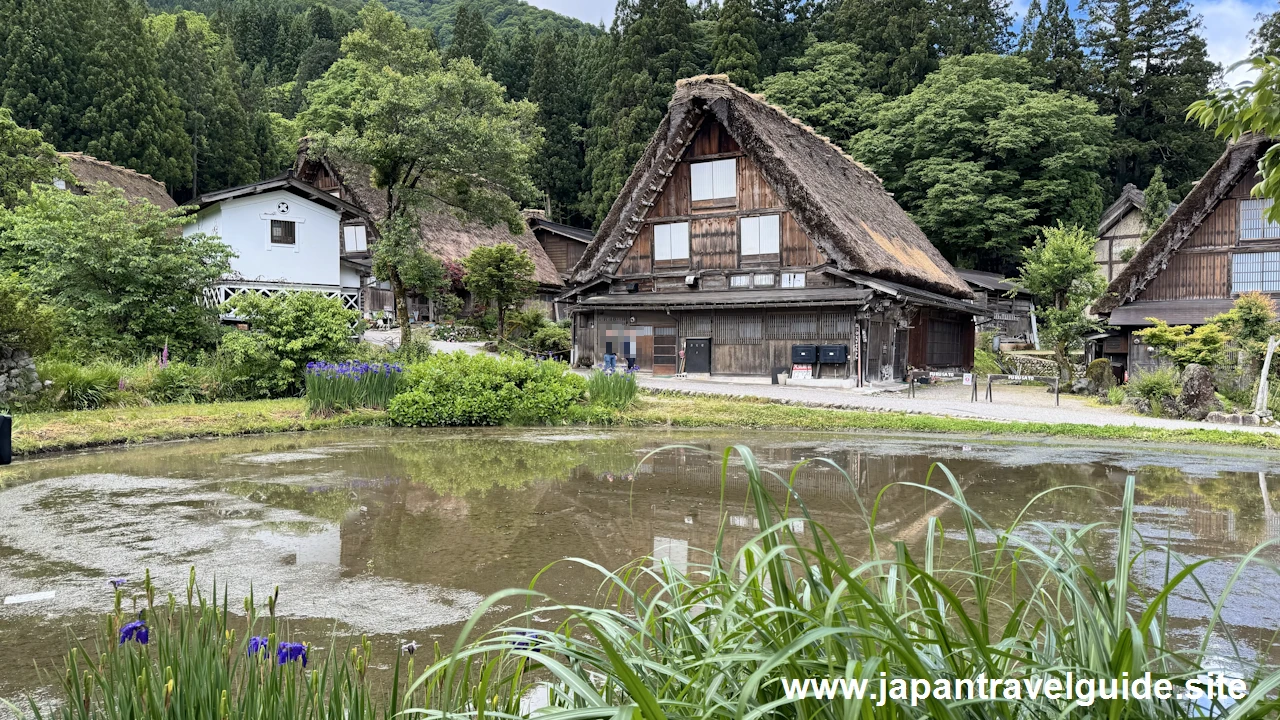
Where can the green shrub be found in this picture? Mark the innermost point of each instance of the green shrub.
(613, 390)
(525, 323)
(551, 339)
(462, 389)
(25, 323)
(1154, 385)
(1115, 395)
(415, 351)
(286, 331)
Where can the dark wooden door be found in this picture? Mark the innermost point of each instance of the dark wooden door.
(697, 355)
(665, 359)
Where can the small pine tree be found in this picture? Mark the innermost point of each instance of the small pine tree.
(1156, 197)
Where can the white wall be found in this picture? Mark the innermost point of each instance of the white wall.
(245, 224)
(350, 277)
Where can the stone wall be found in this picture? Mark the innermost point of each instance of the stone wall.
(18, 379)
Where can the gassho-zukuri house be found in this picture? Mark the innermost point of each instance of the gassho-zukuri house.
(744, 244)
(1216, 245)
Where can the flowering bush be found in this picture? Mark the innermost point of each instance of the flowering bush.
(350, 385)
(461, 389)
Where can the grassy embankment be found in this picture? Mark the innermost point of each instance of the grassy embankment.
(47, 432)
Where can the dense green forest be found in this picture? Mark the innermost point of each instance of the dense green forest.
(981, 132)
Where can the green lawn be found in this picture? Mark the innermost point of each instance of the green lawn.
(47, 432)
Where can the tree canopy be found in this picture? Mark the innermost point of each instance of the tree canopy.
(980, 156)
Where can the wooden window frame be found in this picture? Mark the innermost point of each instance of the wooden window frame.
(292, 240)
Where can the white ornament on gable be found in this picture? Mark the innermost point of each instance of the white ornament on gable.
(282, 207)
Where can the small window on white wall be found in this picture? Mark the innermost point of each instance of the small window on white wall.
(713, 180)
(792, 280)
(760, 235)
(355, 238)
(671, 241)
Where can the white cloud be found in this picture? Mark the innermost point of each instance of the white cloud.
(1226, 30)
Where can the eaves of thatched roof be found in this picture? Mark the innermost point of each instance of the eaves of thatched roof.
(89, 171)
(1240, 158)
(1131, 198)
(839, 204)
(443, 235)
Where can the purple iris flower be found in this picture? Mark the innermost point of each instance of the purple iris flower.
(410, 647)
(257, 645)
(533, 641)
(136, 630)
(288, 652)
(117, 583)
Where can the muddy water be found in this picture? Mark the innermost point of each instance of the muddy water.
(400, 534)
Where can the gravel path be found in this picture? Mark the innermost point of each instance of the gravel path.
(392, 338)
(1012, 403)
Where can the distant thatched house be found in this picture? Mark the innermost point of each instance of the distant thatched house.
(742, 235)
(443, 235)
(89, 171)
(1120, 229)
(564, 244)
(1216, 245)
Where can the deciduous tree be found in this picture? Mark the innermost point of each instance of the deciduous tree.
(979, 157)
(25, 158)
(500, 275)
(435, 138)
(1060, 270)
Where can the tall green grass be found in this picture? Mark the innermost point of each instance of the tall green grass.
(716, 641)
(616, 390)
(350, 385)
(197, 665)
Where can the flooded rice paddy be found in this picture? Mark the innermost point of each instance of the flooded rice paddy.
(401, 534)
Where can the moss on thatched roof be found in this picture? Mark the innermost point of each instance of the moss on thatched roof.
(90, 171)
(840, 204)
(1239, 159)
(443, 235)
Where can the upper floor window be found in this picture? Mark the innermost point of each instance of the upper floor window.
(356, 238)
(759, 235)
(1253, 221)
(714, 180)
(671, 241)
(1255, 271)
(282, 232)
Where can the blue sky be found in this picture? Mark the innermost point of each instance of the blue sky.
(1226, 22)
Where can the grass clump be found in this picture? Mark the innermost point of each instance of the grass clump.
(1155, 385)
(719, 638)
(612, 390)
(198, 660)
(1115, 395)
(334, 387)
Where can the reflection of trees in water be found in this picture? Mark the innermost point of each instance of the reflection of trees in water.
(476, 465)
(323, 503)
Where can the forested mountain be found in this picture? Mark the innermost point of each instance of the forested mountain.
(982, 135)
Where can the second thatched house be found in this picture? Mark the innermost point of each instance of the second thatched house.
(746, 244)
(89, 171)
(1216, 245)
(443, 235)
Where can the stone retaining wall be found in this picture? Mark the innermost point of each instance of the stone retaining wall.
(18, 379)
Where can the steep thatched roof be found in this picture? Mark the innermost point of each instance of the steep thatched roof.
(840, 204)
(1239, 159)
(89, 171)
(1131, 198)
(443, 235)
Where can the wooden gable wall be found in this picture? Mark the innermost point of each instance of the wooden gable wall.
(713, 226)
(1201, 268)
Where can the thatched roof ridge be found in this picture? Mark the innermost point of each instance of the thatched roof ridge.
(89, 171)
(443, 235)
(1131, 198)
(1240, 157)
(840, 204)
